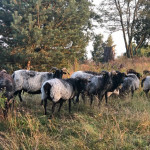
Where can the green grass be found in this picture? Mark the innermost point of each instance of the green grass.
(124, 124)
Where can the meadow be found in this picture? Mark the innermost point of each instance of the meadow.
(122, 124)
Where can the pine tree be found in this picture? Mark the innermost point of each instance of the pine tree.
(41, 29)
(109, 42)
(97, 53)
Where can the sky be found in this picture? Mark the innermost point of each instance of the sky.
(117, 38)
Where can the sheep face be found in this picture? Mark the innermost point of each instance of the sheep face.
(81, 84)
(58, 74)
(117, 80)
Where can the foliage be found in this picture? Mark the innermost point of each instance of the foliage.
(97, 53)
(109, 41)
(144, 52)
(123, 15)
(142, 26)
(40, 31)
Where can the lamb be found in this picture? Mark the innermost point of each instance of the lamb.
(130, 83)
(7, 86)
(59, 90)
(31, 81)
(146, 85)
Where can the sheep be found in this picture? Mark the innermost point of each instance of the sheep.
(83, 75)
(98, 85)
(59, 90)
(7, 86)
(134, 72)
(31, 81)
(146, 72)
(113, 81)
(130, 83)
(146, 85)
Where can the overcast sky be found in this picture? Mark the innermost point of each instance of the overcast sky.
(117, 38)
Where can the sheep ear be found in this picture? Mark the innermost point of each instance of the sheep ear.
(53, 69)
(65, 71)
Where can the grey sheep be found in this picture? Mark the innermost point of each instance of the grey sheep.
(7, 87)
(104, 85)
(146, 85)
(130, 84)
(83, 75)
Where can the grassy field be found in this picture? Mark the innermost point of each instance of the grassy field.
(123, 124)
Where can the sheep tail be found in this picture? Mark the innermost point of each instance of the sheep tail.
(47, 88)
(142, 82)
(45, 92)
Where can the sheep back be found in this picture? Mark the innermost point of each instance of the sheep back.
(146, 83)
(131, 82)
(30, 80)
(81, 74)
(58, 89)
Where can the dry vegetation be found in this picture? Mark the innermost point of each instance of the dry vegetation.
(123, 124)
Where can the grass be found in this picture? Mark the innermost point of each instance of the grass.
(122, 124)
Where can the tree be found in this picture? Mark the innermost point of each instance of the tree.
(109, 41)
(142, 28)
(123, 15)
(97, 53)
(41, 29)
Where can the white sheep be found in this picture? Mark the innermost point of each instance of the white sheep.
(59, 90)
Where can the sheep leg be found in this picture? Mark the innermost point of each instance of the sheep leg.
(19, 94)
(146, 92)
(91, 97)
(132, 92)
(53, 107)
(106, 98)
(41, 102)
(61, 103)
(45, 104)
(83, 97)
(77, 98)
(69, 105)
(100, 97)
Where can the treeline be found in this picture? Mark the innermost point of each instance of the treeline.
(48, 33)
(45, 32)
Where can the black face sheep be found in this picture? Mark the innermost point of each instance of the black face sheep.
(117, 79)
(83, 75)
(146, 85)
(98, 85)
(31, 81)
(59, 90)
(134, 72)
(7, 86)
(114, 80)
(146, 72)
(130, 83)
